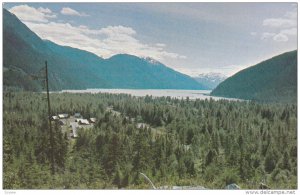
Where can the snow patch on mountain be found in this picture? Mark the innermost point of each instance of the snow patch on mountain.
(210, 80)
(151, 60)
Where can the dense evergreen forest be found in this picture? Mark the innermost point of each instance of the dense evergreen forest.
(273, 80)
(196, 143)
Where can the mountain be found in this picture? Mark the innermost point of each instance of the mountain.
(210, 80)
(24, 53)
(272, 80)
(127, 71)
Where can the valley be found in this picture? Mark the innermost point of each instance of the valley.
(119, 115)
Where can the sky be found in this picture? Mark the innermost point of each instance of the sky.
(192, 38)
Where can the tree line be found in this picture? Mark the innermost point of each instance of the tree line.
(184, 142)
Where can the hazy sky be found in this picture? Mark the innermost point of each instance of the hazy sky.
(192, 38)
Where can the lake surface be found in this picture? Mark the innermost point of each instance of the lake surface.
(173, 93)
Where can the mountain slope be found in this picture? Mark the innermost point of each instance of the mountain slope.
(134, 72)
(25, 53)
(272, 80)
(210, 80)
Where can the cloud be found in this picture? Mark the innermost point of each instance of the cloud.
(253, 33)
(267, 35)
(292, 14)
(280, 22)
(104, 42)
(289, 20)
(44, 10)
(282, 27)
(114, 31)
(227, 70)
(280, 37)
(160, 45)
(291, 31)
(71, 12)
(27, 13)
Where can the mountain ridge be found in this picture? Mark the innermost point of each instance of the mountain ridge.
(274, 80)
(72, 68)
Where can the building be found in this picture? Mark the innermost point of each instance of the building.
(54, 118)
(83, 122)
(92, 120)
(61, 116)
(77, 115)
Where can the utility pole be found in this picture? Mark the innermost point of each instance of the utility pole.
(50, 125)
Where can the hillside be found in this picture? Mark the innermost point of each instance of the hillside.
(25, 53)
(272, 80)
(127, 71)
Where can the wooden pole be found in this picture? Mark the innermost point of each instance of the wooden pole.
(50, 125)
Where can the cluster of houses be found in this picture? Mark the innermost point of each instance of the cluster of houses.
(76, 121)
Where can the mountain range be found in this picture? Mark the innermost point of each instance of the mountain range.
(273, 80)
(210, 80)
(24, 54)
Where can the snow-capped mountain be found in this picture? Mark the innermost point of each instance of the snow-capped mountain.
(151, 60)
(210, 80)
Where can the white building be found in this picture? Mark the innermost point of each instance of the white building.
(83, 122)
(61, 116)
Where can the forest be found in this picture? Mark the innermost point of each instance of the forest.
(184, 143)
(275, 81)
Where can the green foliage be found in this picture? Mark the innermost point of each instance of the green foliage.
(229, 176)
(273, 80)
(202, 142)
(270, 160)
